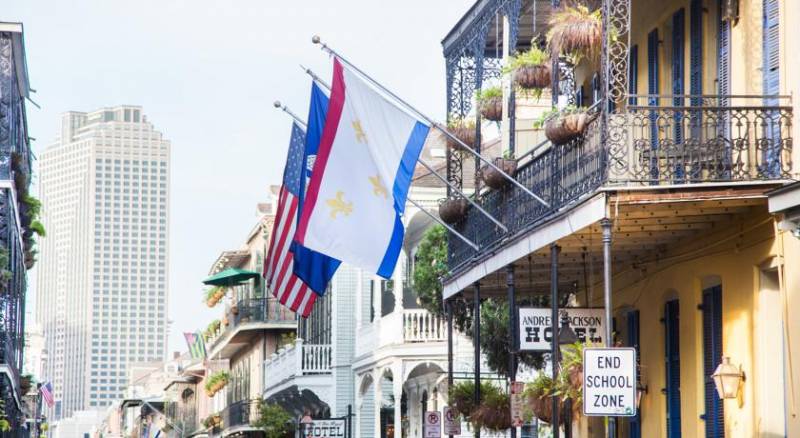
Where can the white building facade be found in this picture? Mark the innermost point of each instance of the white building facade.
(102, 278)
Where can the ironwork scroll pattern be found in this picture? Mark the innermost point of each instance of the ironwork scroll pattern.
(614, 79)
(560, 175)
(662, 145)
(616, 45)
(686, 144)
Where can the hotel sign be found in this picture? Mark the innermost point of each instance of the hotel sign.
(535, 330)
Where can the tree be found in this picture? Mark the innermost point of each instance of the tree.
(275, 421)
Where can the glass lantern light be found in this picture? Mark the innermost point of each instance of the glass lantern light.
(727, 379)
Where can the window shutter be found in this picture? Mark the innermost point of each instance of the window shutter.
(723, 57)
(653, 90)
(696, 68)
(633, 74)
(696, 50)
(771, 79)
(678, 30)
(712, 355)
(672, 356)
(633, 341)
(771, 47)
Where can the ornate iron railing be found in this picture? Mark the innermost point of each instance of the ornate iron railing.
(241, 413)
(259, 310)
(696, 139)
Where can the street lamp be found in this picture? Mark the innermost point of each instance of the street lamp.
(727, 378)
(566, 336)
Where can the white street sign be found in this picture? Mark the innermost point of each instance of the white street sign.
(330, 428)
(433, 424)
(609, 382)
(452, 422)
(535, 327)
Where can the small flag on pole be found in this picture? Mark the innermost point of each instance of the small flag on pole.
(197, 348)
(47, 393)
(289, 289)
(356, 198)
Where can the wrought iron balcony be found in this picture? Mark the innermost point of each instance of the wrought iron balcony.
(241, 414)
(691, 140)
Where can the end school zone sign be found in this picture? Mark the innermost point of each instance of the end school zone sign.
(535, 331)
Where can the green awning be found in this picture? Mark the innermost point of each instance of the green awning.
(230, 277)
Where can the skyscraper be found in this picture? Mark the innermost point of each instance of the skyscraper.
(102, 275)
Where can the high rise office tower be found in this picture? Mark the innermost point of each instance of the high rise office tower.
(103, 269)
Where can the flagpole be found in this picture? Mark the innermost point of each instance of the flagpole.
(441, 222)
(286, 109)
(425, 165)
(316, 40)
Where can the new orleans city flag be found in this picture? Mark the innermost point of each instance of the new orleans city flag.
(361, 176)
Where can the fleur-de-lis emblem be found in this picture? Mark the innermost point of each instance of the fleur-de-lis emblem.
(361, 137)
(378, 189)
(339, 205)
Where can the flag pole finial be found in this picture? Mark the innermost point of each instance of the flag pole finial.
(277, 104)
(316, 39)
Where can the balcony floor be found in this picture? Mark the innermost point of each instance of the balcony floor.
(648, 225)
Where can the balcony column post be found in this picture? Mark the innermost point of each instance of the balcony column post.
(397, 387)
(554, 359)
(476, 323)
(377, 379)
(606, 224)
(513, 329)
(359, 301)
(298, 346)
(397, 279)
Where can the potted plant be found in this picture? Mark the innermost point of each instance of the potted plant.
(490, 103)
(495, 179)
(576, 31)
(531, 70)
(211, 329)
(564, 126)
(462, 397)
(462, 128)
(494, 412)
(539, 397)
(569, 382)
(452, 210)
(214, 295)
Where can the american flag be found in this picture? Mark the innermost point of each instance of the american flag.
(278, 265)
(47, 393)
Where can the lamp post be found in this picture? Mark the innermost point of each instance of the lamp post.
(566, 336)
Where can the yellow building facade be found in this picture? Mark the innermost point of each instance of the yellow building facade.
(690, 163)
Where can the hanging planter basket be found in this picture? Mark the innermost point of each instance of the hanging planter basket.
(465, 133)
(565, 128)
(495, 179)
(576, 30)
(492, 109)
(493, 418)
(533, 77)
(452, 210)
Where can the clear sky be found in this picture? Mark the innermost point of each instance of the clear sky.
(206, 73)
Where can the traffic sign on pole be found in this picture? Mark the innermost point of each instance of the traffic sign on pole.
(609, 382)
